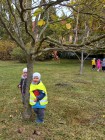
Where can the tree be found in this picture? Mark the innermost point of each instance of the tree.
(92, 15)
(16, 17)
(87, 24)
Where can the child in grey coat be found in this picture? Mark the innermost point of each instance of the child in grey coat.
(22, 84)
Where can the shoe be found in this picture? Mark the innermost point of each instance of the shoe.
(39, 121)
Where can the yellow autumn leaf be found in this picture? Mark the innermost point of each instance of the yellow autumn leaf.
(68, 25)
(41, 22)
(38, 11)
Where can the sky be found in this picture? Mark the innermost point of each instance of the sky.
(62, 10)
(59, 10)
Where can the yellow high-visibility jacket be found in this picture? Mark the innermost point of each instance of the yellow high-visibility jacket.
(39, 86)
(93, 62)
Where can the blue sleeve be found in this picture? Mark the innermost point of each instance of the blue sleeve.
(41, 96)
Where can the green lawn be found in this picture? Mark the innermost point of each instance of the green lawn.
(76, 109)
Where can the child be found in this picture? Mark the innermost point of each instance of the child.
(98, 65)
(38, 97)
(103, 65)
(22, 84)
(93, 63)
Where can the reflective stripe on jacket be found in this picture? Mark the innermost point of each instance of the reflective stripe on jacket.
(40, 86)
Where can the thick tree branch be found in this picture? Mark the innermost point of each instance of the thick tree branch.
(77, 45)
(23, 11)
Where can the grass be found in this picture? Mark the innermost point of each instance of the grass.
(76, 109)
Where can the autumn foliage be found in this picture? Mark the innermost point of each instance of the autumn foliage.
(6, 47)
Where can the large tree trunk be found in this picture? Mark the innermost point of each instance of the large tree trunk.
(27, 108)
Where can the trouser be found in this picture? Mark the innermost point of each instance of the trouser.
(93, 66)
(23, 98)
(40, 114)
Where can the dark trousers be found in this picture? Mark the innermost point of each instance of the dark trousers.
(40, 114)
(23, 98)
(93, 66)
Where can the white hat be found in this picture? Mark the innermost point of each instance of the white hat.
(25, 70)
(36, 74)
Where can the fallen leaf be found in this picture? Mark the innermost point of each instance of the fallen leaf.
(36, 132)
(20, 130)
(11, 116)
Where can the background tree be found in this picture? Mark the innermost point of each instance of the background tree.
(86, 24)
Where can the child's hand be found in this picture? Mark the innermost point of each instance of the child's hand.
(35, 100)
(19, 86)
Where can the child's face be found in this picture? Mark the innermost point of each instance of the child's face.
(36, 79)
(25, 74)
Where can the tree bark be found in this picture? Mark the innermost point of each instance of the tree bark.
(27, 108)
(82, 61)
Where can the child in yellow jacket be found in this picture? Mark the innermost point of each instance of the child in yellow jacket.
(38, 97)
(93, 63)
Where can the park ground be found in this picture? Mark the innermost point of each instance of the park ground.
(76, 109)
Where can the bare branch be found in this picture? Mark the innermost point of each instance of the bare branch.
(16, 22)
(52, 3)
(45, 25)
(11, 35)
(86, 13)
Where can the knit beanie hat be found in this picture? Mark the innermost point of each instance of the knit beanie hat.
(25, 70)
(36, 74)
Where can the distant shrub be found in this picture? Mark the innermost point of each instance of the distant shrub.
(6, 47)
(18, 54)
(45, 55)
